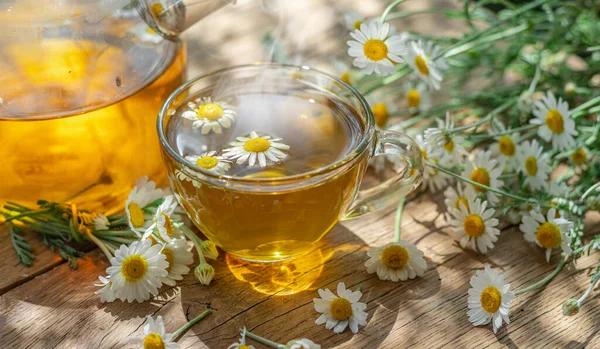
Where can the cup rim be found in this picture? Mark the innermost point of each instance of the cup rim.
(353, 153)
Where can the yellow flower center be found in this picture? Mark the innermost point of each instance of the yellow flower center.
(579, 156)
(157, 9)
(207, 162)
(381, 114)
(464, 201)
(134, 267)
(170, 258)
(153, 341)
(531, 165)
(490, 299)
(257, 145)
(136, 215)
(449, 146)
(548, 235)
(481, 176)
(394, 256)
(375, 50)
(357, 24)
(413, 98)
(506, 146)
(341, 309)
(346, 78)
(210, 111)
(243, 347)
(168, 224)
(554, 121)
(149, 30)
(474, 226)
(421, 65)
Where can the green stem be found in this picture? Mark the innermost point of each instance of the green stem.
(191, 323)
(114, 233)
(389, 8)
(590, 190)
(589, 290)
(117, 239)
(263, 340)
(398, 219)
(592, 102)
(100, 244)
(404, 70)
(499, 192)
(25, 214)
(494, 37)
(78, 193)
(507, 132)
(195, 240)
(486, 118)
(544, 280)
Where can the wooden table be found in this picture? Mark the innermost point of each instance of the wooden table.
(51, 306)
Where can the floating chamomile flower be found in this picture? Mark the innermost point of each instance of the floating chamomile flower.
(100, 222)
(146, 34)
(506, 150)
(210, 162)
(338, 312)
(303, 343)
(186, 175)
(210, 115)
(489, 299)
(474, 225)
(155, 336)
(417, 97)
(256, 150)
(353, 19)
(485, 171)
(136, 271)
(107, 294)
(547, 232)
(179, 256)
(434, 179)
(396, 261)
(555, 124)
(242, 343)
(579, 156)
(533, 164)
(144, 193)
(374, 49)
(420, 57)
(453, 197)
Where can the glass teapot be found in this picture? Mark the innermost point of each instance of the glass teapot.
(81, 83)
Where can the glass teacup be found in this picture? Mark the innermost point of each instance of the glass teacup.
(267, 158)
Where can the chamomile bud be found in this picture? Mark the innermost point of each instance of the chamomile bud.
(205, 273)
(571, 307)
(209, 249)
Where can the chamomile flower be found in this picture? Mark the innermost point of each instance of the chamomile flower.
(555, 124)
(489, 299)
(242, 343)
(155, 336)
(417, 97)
(163, 220)
(396, 261)
(533, 164)
(341, 311)
(303, 343)
(344, 72)
(547, 232)
(353, 19)
(433, 179)
(506, 150)
(107, 294)
(382, 109)
(579, 156)
(210, 162)
(146, 34)
(453, 151)
(420, 57)
(185, 175)
(100, 222)
(525, 102)
(136, 271)
(485, 171)
(374, 49)
(210, 115)
(453, 197)
(474, 226)
(179, 256)
(256, 150)
(144, 193)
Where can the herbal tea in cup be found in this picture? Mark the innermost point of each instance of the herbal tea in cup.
(266, 159)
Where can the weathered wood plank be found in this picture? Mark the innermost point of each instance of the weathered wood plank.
(58, 309)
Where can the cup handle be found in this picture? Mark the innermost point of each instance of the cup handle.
(392, 190)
